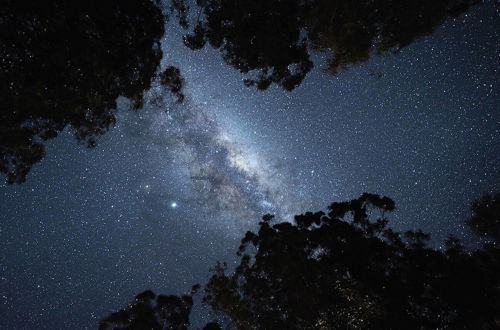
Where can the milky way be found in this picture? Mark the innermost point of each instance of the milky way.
(228, 180)
(173, 187)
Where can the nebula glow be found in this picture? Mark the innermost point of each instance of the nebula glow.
(207, 167)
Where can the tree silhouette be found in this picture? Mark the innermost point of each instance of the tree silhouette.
(353, 29)
(256, 35)
(64, 64)
(344, 271)
(348, 270)
(485, 220)
(272, 37)
(172, 79)
(147, 313)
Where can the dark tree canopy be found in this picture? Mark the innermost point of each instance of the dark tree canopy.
(149, 312)
(259, 35)
(172, 79)
(485, 220)
(64, 63)
(272, 37)
(348, 270)
(343, 271)
(351, 30)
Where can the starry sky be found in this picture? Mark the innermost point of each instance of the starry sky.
(173, 187)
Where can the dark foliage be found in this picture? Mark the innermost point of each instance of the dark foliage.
(257, 35)
(64, 63)
(485, 220)
(351, 30)
(272, 37)
(180, 9)
(344, 271)
(147, 313)
(172, 79)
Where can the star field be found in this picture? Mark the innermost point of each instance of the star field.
(173, 187)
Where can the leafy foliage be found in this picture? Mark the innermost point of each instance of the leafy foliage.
(64, 64)
(172, 79)
(352, 29)
(181, 9)
(343, 271)
(257, 35)
(146, 313)
(273, 37)
(485, 220)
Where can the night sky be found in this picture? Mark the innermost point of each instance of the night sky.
(173, 187)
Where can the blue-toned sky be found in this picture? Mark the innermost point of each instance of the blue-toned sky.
(172, 188)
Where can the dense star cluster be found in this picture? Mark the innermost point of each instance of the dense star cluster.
(172, 187)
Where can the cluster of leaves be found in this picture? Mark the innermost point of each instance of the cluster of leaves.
(181, 10)
(148, 313)
(64, 64)
(348, 270)
(172, 79)
(352, 29)
(485, 220)
(257, 35)
(341, 271)
(273, 37)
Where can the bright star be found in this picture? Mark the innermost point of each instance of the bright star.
(173, 205)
